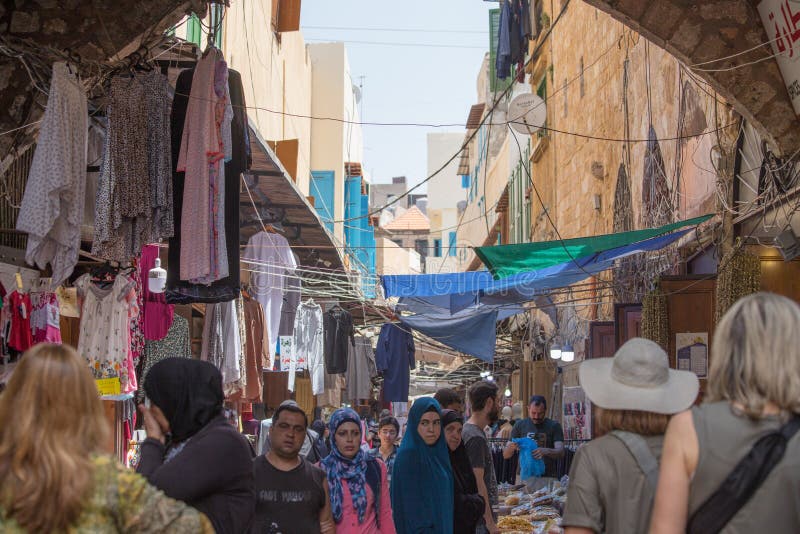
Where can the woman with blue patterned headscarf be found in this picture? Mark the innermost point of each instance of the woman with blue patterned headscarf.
(359, 491)
(422, 480)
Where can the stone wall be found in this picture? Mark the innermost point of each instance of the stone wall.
(600, 75)
(697, 32)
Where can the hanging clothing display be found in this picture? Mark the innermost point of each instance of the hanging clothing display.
(271, 260)
(135, 318)
(223, 114)
(225, 289)
(20, 338)
(45, 318)
(360, 370)
(156, 314)
(104, 340)
(332, 395)
(394, 358)
(276, 389)
(240, 321)
(52, 206)
(175, 344)
(339, 339)
(199, 145)
(133, 203)
(222, 343)
(256, 350)
(292, 287)
(308, 341)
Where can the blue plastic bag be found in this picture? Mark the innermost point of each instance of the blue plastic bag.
(529, 466)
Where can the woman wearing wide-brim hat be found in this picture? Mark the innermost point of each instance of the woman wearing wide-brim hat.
(613, 479)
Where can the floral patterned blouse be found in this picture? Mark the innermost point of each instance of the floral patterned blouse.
(123, 501)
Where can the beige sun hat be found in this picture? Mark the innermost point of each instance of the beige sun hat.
(638, 377)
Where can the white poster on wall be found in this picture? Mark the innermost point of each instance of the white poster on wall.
(692, 353)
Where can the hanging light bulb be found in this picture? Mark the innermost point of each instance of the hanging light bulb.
(507, 392)
(555, 352)
(490, 378)
(157, 278)
(567, 354)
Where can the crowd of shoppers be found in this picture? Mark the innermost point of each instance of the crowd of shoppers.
(727, 465)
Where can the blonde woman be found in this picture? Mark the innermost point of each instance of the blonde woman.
(753, 390)
(53, 475)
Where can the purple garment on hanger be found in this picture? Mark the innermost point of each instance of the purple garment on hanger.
(157, 314)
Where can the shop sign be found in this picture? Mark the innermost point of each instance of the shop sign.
(781, 19)
(108, 386)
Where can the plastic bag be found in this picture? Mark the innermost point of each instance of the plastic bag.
(529, 466)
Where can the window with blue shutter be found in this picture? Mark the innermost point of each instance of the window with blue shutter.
(451, 247)
(437, 248)
(321, 188)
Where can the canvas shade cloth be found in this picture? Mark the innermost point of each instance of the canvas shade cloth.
(506, 260)
(467, 322)
(460, 290)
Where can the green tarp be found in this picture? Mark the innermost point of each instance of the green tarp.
(505, 260)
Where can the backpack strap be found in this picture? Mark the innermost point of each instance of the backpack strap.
(740, 485)
(638, 448)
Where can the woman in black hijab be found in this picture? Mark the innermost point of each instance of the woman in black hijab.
(191, 452)
(468, 504)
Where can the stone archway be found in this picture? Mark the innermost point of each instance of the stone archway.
(697, 32)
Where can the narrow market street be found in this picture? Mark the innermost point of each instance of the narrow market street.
(449, 267)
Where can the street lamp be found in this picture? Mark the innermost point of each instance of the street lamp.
(567, 354)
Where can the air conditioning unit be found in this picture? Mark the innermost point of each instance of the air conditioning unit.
(788, 244)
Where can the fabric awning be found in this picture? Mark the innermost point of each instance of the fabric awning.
(463, 288)
(274, 196)
(506, 260)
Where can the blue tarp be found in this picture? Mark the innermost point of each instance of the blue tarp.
(470, 332)
(461, 310)
(462, 288)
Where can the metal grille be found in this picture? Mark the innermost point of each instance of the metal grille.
(12, 187)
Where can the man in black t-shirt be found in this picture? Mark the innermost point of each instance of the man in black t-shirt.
(291, 494)
(548, 434)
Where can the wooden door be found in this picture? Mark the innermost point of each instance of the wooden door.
(691, 304)
(627, 322)
(602, 339)
(778, 276)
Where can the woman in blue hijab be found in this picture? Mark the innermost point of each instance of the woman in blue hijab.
(359, 489)
(422, 480)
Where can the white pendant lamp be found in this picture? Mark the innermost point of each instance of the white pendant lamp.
(567, 354)
(555, 352)
(157, 278)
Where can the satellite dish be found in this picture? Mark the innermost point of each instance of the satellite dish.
(527, 113)
(357, 93)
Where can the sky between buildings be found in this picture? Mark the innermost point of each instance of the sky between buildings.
(426, 76)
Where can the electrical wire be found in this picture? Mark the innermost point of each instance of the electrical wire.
(395, 30)
(386, 43)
